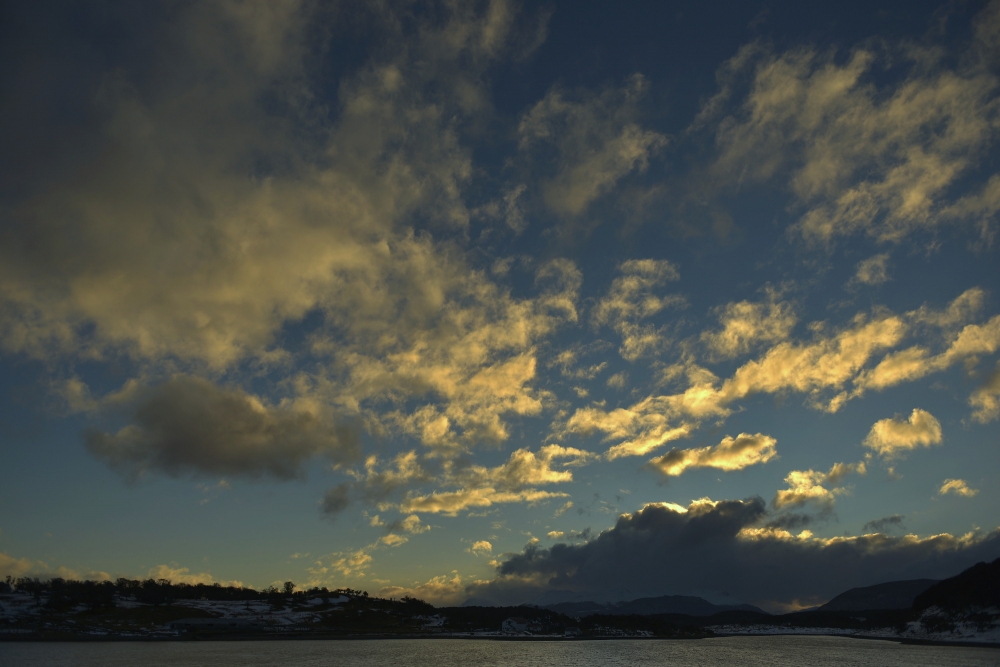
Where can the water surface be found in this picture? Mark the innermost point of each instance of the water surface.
(751, 651)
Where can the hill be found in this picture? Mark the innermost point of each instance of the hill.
(890, 595)
(666, 604)
(977, 587)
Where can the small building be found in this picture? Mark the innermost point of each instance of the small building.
(514, 625)
(572, 631)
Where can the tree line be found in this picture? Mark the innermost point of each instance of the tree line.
(68, 592)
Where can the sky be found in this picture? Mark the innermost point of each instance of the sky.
(509, 302)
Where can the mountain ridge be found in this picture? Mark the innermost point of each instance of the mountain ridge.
(664, 604)
(887, 595)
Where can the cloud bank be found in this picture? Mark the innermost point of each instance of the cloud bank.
(721, 546)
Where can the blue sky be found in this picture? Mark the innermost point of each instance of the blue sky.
(498, 300)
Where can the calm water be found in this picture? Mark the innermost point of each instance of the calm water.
(785, 650)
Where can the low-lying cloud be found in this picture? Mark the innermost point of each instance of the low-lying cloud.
(722, 546)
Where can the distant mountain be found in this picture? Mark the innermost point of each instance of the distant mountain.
(979, 586)
(560, 596)
(890, 595)
(666, 604)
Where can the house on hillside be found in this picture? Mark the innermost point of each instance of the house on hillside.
(514, 625)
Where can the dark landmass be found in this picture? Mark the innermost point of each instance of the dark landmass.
(158, 609)
(979, 586)
(964, 609)
(890, 595)
(666, 604)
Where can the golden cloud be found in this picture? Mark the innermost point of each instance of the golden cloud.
(525, 468)
(184, 259)
(860, 157)
(891, 438)
(807, 486)
(452, 502)
(631, 299)
(443, 590)
(986, 399)
(746, 324)
(182, 575)
(731, 454)
(958, 487)
(481, 548)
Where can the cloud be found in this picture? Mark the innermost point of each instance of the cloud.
(452, 502)
(746, 324)
(598, 142)
(182, 575)
(21, 567)
(525, 468)
(893, 438)
(336, 499)
(410, 524)
(719, 546)
(861, 155)
(643, 427)
(15, 567)
(832, 360)
(731, 454)
(617, 381)
(189, 425)
(508, 208)
(481, 548)
(958, 487)
(475, 366)
(835, 366)
(964, 340)
(344, 563)
(272, 218)
(631, 299)
(378, 484)
(355, 562)
(828, 362)
(805, 486)
(443, 590)
(959, 312)
(473, 485)
(986, 399)
(884, 524)
(873, 271)
(393, 540)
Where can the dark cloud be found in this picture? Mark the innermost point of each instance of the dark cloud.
(884, 524)
(336, 499)
(722, 547)
(188, 425)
